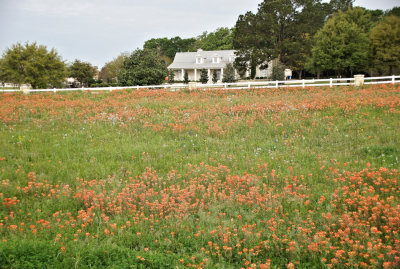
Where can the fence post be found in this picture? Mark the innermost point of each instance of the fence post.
(330, 82)
(392, 79)
(358, 80)
(277, 84)
(192, 85)
(303, 83)
(25, 89)
(248, 85)
(225, 85)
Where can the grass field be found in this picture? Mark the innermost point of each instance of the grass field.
(259, 178)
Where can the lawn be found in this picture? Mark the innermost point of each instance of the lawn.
(251, 178)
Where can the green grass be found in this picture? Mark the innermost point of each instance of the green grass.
(105, 144)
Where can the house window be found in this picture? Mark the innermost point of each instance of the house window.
(219, 75)
(216, 60)
(199, 60)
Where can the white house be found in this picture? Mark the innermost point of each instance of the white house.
(193, 62)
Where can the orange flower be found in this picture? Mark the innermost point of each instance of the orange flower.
(290, 265)
(387, 265)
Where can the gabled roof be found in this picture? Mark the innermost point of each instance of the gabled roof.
(187, 60)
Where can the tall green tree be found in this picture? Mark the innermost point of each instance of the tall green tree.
(32, 64)
(385, 44)
(82, 71)
(296, 47)
(250, 43)
(281, 29)
(143, 67)
(342, 44)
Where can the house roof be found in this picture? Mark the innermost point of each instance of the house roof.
(187, 60)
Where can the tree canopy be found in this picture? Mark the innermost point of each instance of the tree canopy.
(251, 47)
(394, 11)
(143, 67)
(110, 71)
(385, 43)
(341, 5)
(280, 29)
(32, 64)
(82, 71)
(296, 47)
(342, 45)
(220, 39)
(169, 46)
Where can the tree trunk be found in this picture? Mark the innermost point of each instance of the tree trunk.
(300, 74)
(253, 71)
(318, 74)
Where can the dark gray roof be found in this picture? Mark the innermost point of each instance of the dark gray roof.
(187, 60)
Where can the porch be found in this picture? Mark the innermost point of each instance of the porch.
(194, 74)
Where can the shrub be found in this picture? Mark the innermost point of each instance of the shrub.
(186, 78)
(278, 72)
(215, 76)
(203, 76)
(171, 76)
(143, 67)
(229, 74)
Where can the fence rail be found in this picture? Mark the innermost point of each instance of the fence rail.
(237, 85)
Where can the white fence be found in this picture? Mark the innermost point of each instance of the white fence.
(237, 85)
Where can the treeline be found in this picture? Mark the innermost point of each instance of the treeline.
(116, 71)
(34, 64)
(308, 36)
(321, 38)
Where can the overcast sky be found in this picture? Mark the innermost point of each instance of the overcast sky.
(99, 30)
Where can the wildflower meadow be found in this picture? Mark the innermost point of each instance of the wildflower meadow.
(251, 178)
